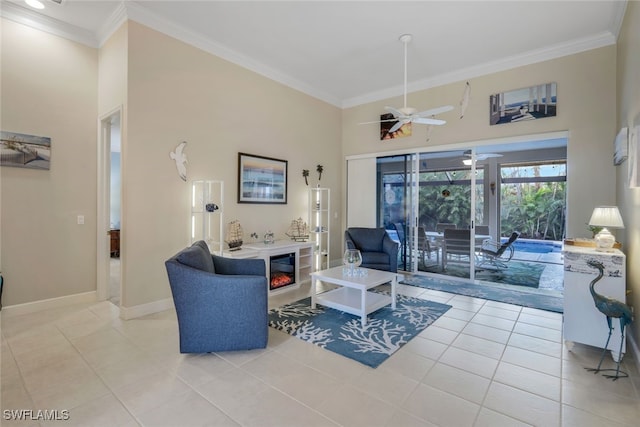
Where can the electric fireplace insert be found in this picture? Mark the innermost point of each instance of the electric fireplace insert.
(282, 270)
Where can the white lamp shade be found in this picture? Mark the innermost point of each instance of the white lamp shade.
(606, 216)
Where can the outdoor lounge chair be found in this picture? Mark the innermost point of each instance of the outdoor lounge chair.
(496, 255)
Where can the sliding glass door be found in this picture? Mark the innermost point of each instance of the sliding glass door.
(483, 193)
(421, 195)
(397, 204)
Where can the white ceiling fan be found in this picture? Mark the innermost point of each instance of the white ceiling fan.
(482, 156)
(406, 114)
(479, 157)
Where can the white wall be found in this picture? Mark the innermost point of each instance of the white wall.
(629, 115)
(176, 93)
(49, 88)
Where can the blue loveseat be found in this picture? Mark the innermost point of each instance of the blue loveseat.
(221, 303)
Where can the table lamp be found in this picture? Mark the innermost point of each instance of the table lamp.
(606, 216)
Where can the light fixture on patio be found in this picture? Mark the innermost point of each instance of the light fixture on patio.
(606, 216)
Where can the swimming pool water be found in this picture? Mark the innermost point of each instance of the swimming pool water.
(537, 246)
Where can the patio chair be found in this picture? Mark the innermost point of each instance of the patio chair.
(496, 255)
(426, 248)
(456, 246)
(441, 226)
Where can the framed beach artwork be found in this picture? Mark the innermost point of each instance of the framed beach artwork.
(529, 103)
(261, 179)
(385, 127)
(24, 151)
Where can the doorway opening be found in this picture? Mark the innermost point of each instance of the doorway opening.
(109, 236)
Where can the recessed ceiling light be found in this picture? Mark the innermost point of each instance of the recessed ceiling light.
(36, 4)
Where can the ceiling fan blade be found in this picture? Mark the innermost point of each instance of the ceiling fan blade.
(398, 125)
(378, 121)
(486, 156)
(396, 113)
(434, 111)
(428, 121)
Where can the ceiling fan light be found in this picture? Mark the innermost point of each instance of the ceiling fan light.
(36, 4)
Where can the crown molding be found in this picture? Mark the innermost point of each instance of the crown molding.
(539, 55)
(112, 23)
(621, 9)
(137, 12)
(24, 16)
(142, 15)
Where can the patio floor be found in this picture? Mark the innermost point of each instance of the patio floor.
(552, 277)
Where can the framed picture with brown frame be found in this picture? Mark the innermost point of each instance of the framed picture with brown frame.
(261, 179)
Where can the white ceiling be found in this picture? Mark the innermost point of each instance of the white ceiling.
(347, 52)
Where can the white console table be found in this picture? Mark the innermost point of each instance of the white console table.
(303, 255)
(583, 323)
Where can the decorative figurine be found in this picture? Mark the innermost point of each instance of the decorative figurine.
(298, 230)
(612, 309)
(180, 158)
(234, 235)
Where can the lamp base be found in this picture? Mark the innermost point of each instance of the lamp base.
(604, 241)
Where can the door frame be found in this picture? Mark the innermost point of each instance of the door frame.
(103, 193)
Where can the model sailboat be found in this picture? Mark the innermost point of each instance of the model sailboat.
(298, 230)
(234, 235)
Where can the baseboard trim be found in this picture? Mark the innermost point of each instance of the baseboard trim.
(46, 304)
(127, 313)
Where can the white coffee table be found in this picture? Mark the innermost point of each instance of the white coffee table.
(352, 295)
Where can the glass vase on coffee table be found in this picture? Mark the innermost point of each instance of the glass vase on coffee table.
(352, 259)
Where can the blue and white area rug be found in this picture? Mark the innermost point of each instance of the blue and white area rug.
(385, 332)
(523, 298)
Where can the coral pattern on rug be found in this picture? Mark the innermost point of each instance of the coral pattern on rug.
(385, 332)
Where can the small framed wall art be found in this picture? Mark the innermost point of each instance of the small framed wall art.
(24, 151)
(386, 123)
(261, 179)
(529, 103)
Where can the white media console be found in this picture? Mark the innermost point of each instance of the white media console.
(288, 263)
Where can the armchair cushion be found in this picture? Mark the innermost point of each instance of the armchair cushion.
(197, 256)
(367, 239)
(238, 266)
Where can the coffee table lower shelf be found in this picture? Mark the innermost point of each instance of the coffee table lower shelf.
(349, 300)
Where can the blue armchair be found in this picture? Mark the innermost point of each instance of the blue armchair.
(221, 303)
(378, 250)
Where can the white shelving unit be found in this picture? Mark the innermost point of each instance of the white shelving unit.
(207, 221)
(319, 226)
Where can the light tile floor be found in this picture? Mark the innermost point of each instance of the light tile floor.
(481, 364)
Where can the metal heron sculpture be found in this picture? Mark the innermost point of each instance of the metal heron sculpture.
(611, 308)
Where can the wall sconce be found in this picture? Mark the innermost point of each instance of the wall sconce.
(492, 186)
